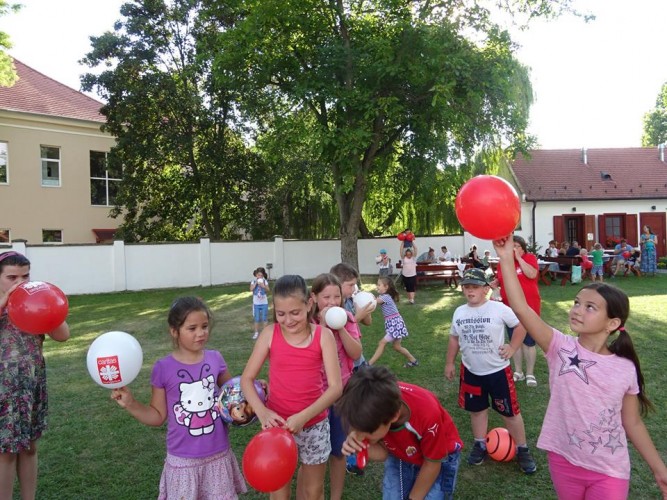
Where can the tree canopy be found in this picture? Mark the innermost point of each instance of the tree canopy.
(7, 70)
(655, 121)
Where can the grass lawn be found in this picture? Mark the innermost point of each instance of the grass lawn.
(94, 449)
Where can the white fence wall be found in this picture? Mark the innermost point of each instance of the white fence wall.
(83, 269)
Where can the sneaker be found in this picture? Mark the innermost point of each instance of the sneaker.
(255, 335)
(351, 466)
(526, 460)
(411, 364)
(477, 454)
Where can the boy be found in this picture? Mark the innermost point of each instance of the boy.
(404, 425)
(478, 330)
(260, 301)
(597, 254)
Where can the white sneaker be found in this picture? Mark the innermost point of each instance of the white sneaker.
(255, 335)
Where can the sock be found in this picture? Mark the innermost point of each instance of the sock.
(481, 442)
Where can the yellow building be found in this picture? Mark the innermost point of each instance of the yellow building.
(54, 184)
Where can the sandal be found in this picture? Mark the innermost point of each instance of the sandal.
(411, 364)
(531, 381)
(518, 376)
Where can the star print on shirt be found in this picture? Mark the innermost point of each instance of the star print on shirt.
(572, 363)
(614, 442)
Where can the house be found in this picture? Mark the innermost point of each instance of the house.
(592, 195)
(54, 184)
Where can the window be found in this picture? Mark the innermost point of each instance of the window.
(50, 166)
(3, 163)
(104, 181)
(52, 236)
(613, 229)
(4, 236)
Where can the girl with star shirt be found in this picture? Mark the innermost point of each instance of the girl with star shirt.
(597, 391)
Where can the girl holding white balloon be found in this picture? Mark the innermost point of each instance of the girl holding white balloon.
(23, 395)
(200, 462)
(395, 329)
(327, 296)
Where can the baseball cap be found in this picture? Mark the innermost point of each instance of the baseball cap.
(383, 251)
(474, 277)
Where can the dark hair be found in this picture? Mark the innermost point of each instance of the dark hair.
(320, 283)
(259, 270)
(618, 306)
(344, 272)
(12, 258)
(291, 285)
(520, 241)
(371, 398)
(391, 288)
(181, 308)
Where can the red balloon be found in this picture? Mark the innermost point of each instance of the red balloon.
(488, 207)
(401, 236)
(362, 456)
(500, 445)
(270, 459)
(37, 307)
(410, 237)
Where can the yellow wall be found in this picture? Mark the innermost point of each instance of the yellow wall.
(27, 207)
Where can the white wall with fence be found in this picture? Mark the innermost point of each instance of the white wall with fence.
(85, 269)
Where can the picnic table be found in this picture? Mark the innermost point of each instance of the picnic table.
(449, 272)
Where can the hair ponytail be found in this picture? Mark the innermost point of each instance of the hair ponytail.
(624, 347)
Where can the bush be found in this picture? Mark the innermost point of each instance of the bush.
(662, 263)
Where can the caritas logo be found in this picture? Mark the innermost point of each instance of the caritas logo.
(32, 287)
(108, 370)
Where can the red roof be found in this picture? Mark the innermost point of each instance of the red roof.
(597, 174)
(39, 94)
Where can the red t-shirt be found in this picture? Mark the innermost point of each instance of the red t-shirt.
(429, 433)
(529, 286)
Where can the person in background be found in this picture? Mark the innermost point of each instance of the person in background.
(648, 242)
(444, 255)
(23, 395)
(552, 249)
(474, 258)
(259, 287)
(622, 252)
(485, 259)
(409, 272)
(384, 263)
(427, 257)
(597, 256)
(586, 263)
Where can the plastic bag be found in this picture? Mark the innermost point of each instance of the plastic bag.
(576, 274)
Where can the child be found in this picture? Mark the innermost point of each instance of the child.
(260, 302)
(299, 352)
(23, 397)
(404, 425)
(485, 259)
(597, 254)
(597, 392)
(478, 330)
(384, 263)
(409, 272)
(586, 263)
(394, 326)
(200, 462)
(326, 293)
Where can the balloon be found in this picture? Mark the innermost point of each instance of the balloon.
(401, 236)
(37, 307)
(626, 255)
(270, 459)
(362, 298)
(410, 237)
(362, 456)
(336, 318)
(500, 445)
(114, 359)
(488, 207)
(234, 409)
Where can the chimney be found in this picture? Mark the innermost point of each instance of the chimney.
(584, 156)
(661, 152)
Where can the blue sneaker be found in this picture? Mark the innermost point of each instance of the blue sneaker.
(351, 466)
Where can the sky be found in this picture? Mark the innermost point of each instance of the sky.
(593, 82)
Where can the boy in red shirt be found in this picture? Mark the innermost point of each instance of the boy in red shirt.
(405, 426)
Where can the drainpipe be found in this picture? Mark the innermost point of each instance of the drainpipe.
(533, 220)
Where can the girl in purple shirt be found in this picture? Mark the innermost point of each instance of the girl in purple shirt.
(200, 463)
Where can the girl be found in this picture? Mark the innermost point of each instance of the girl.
(409, 272)
(597, 391)
(394, 326)
(298, 352)
(326, 292)
(23, 397)
(648, 242)
(200, 463)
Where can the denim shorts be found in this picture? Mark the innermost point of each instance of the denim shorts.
(260, 312)
(528, 341)
(400, 477)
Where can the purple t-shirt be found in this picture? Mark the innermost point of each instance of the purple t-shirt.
(194, 426)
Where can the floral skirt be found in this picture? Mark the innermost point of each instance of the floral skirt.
(395, 326)
(648, 263)
(211, 478)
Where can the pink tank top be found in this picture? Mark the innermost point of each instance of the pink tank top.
(295, 375)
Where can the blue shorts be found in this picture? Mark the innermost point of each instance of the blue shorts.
(478, 392)
(529, 341)
(337, 433)
(260, 312)
(597, 270)
(400, 477)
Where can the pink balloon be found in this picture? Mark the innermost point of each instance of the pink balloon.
(488, 207)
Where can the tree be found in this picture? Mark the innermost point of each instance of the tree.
(187, 172)
(8, 75)
(400, 92)
(655, 121)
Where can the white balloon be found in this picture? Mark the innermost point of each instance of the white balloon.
(114, 359)
(336, 318)
(361, 299)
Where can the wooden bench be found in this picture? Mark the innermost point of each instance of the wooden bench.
(565, 275)
(448, 272)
